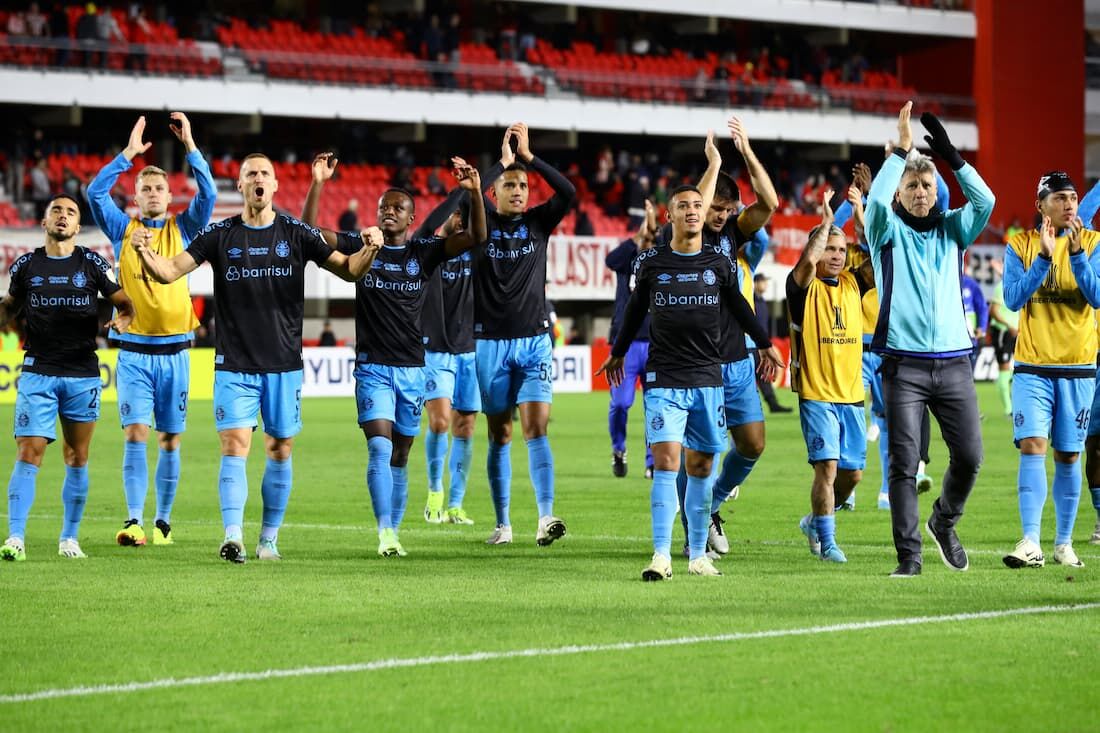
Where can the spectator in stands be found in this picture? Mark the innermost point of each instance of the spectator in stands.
(582, 224)
(40, 188)
(637, 191)
(402, 178)
(59, 28)
(17, 24)
(436, 186)
(38, 25)
(109, 30)
(328, 338)
(87, 33)
(349, 220)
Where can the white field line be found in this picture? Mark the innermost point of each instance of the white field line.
(487, 656)
(413, 529)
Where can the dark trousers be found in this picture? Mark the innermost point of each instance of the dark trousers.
(946, 387)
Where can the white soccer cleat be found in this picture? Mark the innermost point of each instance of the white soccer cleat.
(703, 566)
(873, 431)
(502, 535)
(70, 548)
(267, 550)
(550, 529)
(1095, 539)
(1064, 555)
(660, 568)
(716, 537)
(1026, 555)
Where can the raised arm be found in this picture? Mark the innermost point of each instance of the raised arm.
(1083, 265)
(965, 223)
(441, 213)
(324, 166)
(108, 217)
(880, 197)
(1020, 284)
(861, 181)
(714, 166)
(564, 191)
(162, 269)
(753, 218)
(477, 232)
(806, 269)
(351, 267)
(1089, 205)
(198, 212)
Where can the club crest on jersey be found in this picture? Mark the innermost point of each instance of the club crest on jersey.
(412, 268)
(235, 253)
(80, 280)
(124, 409)
(23, 420)
(708, 277)
(220, 413)
(1018, 419)
(430, 385)
(818, 443)
(232, 274)
(282, 249)
(657, 422)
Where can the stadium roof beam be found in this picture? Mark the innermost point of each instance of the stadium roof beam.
(410, 106)
(833, 13)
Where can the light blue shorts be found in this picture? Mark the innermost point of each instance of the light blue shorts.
(1056, 408)
(275, 396)
(154, 386)
(739, 393)
(513, 371)
(390, 393)
(40, 400)
(452, 377)
(693, 417)
(872, 382)
(834, 432)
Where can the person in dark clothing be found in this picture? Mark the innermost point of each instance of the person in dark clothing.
(763, 316)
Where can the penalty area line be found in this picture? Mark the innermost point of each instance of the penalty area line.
(485, 656)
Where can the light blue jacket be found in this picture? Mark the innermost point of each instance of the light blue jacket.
(918, 273)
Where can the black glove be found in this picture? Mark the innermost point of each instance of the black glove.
(940, 142)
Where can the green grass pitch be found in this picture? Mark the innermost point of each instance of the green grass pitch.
(431, 640)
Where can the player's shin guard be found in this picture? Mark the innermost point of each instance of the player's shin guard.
(735, 469)
(21, 487)
(400, 477)
(697, 509)
(380, 480)
(278, 480)
(662, 503)
(1032, 484)
(499, 468)
(435, 446)
(167, 478)
(540, 462)
(74, 494)
(135, 478)
(462, 450)
(232, 491)
(1067, 495)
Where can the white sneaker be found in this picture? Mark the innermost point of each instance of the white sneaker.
(1026, 555)
(702, 566)
(660, 568)
(70, 548)
(550, 529)
(1064, 555)
(872, 432)
(1095, 539)
(502, 535)
(716, 537)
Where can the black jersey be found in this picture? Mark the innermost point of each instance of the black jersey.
(510, 268)
(59, 298)
(684, 294)
(389, 299)
(729, 240)
(447, 319)
(259, 290)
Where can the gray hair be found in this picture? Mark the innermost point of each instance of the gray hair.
(834, 231)
(916, 162)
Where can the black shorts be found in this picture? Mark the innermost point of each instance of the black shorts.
(1004, 345)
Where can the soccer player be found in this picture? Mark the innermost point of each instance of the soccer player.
(826, 315)
(389, 369)
(685, 286)
(916, 249)
(56, 287)
(741, 239)
(1090, 203)
(977, 315)
(259, 259)
(154, 365)
(1051, 278)
(1004, 325)
(451, 395)
(621, 261)
(512, 328)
